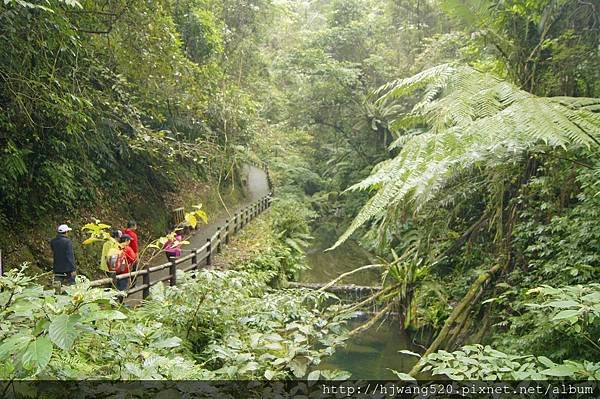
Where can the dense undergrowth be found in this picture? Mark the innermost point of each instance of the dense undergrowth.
(215, 324)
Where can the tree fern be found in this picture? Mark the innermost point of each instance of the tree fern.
(470, 119)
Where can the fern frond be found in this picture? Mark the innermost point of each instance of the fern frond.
(474, 120)
(431, 78)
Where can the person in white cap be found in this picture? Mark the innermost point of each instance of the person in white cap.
(64, 259)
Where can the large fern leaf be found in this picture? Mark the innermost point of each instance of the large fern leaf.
(473, 119)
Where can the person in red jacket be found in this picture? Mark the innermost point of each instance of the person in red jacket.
(130, 231)
(130, 258)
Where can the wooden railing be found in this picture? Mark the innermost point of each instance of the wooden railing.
(197, 259)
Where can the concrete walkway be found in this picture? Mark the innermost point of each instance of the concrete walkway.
(257, 186)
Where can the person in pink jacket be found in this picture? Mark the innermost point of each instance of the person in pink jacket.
(173, 247)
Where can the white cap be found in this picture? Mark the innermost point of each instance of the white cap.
(63, 228)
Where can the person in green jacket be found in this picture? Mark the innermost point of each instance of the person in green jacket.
(110, 244)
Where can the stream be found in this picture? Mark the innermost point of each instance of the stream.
(368, 355)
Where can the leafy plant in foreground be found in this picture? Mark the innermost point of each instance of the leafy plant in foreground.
(217, 325)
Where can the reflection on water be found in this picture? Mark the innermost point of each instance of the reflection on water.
(325, 266)
(370, 354)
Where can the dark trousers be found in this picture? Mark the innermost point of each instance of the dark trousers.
(123, 285)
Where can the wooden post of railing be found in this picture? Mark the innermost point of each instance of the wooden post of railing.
(146, 282)
(219, 238)
(227, 230)
(195, 260)
(209, 252)
(173, 272)
(197, 263)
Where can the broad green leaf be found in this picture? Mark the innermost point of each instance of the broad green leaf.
(269, 374)
(402, 376)
(62, 331)
(13, 345)
(337, 375)
(38, 354)
(559, 371)
(250, 366)
(566, 314)
(105, 315)
(167, 343)
(546, 362)
(298, 366)
(313, 375)
(273, 337)
(563, 304)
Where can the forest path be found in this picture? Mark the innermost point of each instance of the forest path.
(256, 187)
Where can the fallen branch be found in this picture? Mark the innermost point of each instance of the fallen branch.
(372, 298)
(341, 276)
(370, 323)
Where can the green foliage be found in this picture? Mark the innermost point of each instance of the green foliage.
(257, 333)
(534, 42)
(572, 310)
(557, 244)
(217, 325)
(576, 306)
(559, 241)
(478, 362)
(110, 100)
(291, 220)
(472, 120)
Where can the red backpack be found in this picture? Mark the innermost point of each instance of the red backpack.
(117, 263)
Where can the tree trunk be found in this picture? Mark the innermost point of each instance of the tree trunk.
(463, 306)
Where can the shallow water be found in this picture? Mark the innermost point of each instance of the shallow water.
(325, 266)
(370, 354)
